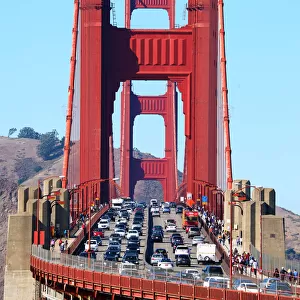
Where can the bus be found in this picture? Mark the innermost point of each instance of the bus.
(190, 218)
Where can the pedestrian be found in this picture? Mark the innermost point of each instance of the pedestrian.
(83, 228)
(276, 273)
(66, 233)
(282, 274)
(255, 266)
(62, 247)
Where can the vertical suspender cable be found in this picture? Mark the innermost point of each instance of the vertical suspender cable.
(225, 96)
(70, 95)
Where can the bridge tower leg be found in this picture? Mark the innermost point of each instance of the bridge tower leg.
(201, 132)
(96, 93)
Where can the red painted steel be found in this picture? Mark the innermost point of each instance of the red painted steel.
(70, 95)
(91, 281)
(225, 96)
(164, 105)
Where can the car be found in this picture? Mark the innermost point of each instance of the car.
(128, 269)
(133, 240)
(183, 259)
(92, 254)
(99, 232)
(280, 288)
(158, 229)
(249, 287)
(113, 248)
(115, 244)
(121, 232)
(91, 245)
(137, 227)
(212, 270)
(179, 210)
(130, 258)
(120, 226)
(133, 247)
(111, 256)
(165, 264)
(238, 281)
(182, 249)
(155, 258)
(216, 282)
(171, 228)
(144, 204)
(267, 282)
(176, 243)
(122, 221)
(155, 213)
(125, 214)
(104, 224)
(197, 239)
(98, 239)
(193, 231)
(156, 237)
(131, 233)
(187, 228)
(105, 217)
(169, 221)
(166, 210)
(173, 235)
(172, 204)
(194, 272)
(162, 251)
(115, 237)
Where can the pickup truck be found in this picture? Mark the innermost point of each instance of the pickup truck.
(181, 249)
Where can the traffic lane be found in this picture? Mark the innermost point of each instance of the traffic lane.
(166, 241)
(143, 241)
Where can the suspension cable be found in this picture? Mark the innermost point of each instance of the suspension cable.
(70, 95)
(225, 95)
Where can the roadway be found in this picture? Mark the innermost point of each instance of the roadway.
(143, 241)
(166, 241)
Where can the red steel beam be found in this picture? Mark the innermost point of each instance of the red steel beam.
(70, 95)
(229, 179)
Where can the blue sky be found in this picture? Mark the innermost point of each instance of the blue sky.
(263, 77)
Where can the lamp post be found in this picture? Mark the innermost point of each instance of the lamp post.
(260, 222)
(92, 183)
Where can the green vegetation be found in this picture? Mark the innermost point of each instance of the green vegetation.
(11, 131)
(50, 146)
(28, 133)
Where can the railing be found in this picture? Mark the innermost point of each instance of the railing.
(82, 235)
(109, 276)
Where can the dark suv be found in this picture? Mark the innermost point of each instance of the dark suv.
(212, 271)
(183, 260)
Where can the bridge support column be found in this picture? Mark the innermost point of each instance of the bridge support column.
(201, 130)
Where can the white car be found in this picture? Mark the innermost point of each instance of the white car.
(248, 287)
(104, 224)
(165, 264)
(198, 239)
(127, 268)
(194, 272)
(131, 233)
(121, 232)
(181, 249)
(171, 228)
(216, 282)
(122, 221)
(93, 245)
(156, 258)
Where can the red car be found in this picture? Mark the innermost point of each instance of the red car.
(99, 232)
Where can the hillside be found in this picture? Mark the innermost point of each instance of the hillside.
(19, 163)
